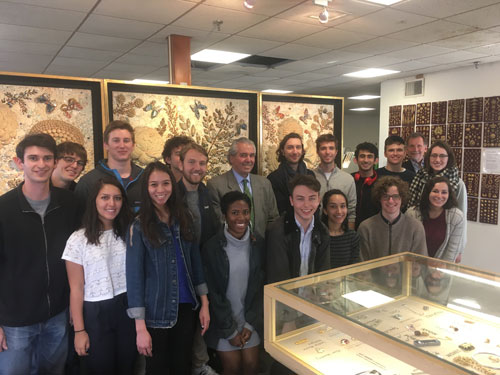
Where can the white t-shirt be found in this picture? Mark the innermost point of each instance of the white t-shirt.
(103, 265)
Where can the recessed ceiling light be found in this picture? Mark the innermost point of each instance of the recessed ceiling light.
(364, 97)
(216, 56)
(274, 91)
(384, 2)
(371, 72)
(153, 81)
(362, 109)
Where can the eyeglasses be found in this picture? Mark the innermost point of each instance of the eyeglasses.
(71, 160)
(440, 156)
(395, 197)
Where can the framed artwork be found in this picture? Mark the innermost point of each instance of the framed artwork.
(213, 118)
(69, 109)
(309, 116)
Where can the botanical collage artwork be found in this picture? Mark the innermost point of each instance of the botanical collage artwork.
(211, 122)
(281, 118)
(469, 126)
(64, 113)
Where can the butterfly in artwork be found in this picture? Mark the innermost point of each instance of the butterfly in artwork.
(278, 113)
(49, 104)
(240, 125)
(155, 110)
(305, 117)
(73, 105)
(196, 108)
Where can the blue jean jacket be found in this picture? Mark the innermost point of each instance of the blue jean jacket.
(152, 285)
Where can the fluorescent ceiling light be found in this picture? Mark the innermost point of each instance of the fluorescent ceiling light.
(216, 56)
(364, 97)
(371, 72)
(361, 109)
(384, 2)
(274, 91)
(153, 81)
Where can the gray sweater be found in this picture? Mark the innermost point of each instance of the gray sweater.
(378, 238)
(453, 243)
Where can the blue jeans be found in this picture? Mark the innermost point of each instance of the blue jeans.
(36, 349)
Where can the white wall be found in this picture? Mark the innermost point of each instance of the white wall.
(483, 246)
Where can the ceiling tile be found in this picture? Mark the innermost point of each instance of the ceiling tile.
(410, 65)
(33, 34)
(484, 18)
(384, 22)
(418, 52)
(337, 70)
(119, 27)
(242, 69)
(309, 76)
(379, 61)
(34, 16)
(452, 57)
(14, 57)
(156, 11)
(379, 45)
(204, 16)
(216, 76)
(489, 49)
(274, 73)
(23, 66)
(232, 84)
(28, 47)
(274, 30)
(433, 31)
(78, 62)
(79, 5)
(110, 74)
(442, 8)
(471, 40)
(130, 68)
(88, 54)
(161, 74)
(131, 58)
(151, 49)
(337, 57)
(79, 68)
(333, 38)
(294, 51)
(252, 79)
(245, 45)
(298, 66)
(268, 8)
(102, 42)
(197, 36)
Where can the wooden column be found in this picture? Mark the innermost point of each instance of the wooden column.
(179, 59)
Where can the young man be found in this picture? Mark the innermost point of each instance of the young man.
(290, 155)
(241, 156)
(297, 244)
(172, 152)
(36, 219)
(416, 147)
(194, 161)
(71, 161)
(365, 156)
(391, 231)
(331, 177)
(394, 151)
(119, 143)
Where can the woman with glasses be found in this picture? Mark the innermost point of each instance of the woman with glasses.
(439, 161)
(390, 231)
(443, 221)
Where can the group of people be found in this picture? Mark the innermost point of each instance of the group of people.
(159, 264)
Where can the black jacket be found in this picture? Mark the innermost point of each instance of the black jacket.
(409, 166)
(365, 206)
(283, 249)
(33, 281)
(133, 188)
(209, 223)
(216, 266)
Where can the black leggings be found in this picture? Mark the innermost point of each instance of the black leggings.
(112, 337)
(172, 347)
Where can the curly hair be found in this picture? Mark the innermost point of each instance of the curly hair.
(280, 151)
(384, 183)
(425, 204)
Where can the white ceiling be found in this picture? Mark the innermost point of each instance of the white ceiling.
(125, 39)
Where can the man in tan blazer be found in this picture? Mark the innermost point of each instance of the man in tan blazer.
(241, 156)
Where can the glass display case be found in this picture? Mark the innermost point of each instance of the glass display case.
(401, 314)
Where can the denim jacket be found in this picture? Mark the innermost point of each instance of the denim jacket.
(152, 287)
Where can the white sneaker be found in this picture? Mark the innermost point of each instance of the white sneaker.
(204, 370)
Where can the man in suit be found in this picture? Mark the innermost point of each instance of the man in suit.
(241, 156)
(416, 147)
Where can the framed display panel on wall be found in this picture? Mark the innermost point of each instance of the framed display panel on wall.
(213, 118)
(68, 108)
(309, 116)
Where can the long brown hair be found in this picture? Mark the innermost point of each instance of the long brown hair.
(174, 205)
(425, 204)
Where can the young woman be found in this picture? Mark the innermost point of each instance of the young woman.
(164, 275)
(95, 263)
(443, 221)
(344, 242)
(233, 267)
